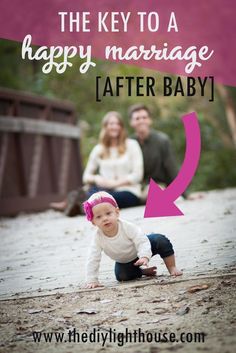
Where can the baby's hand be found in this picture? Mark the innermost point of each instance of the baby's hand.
(93, 285)
(143, 261)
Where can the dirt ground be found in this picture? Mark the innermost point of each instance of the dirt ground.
(160, 305)
(42, 260)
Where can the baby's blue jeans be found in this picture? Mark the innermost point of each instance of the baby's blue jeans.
(159, 245)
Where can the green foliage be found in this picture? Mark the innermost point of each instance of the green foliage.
(217, 164)
(216, 170)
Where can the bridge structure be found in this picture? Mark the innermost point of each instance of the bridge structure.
(40, 159)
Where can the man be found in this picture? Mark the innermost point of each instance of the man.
(159, 159)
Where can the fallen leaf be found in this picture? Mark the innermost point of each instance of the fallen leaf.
(105, 301)
(34, 311)
(197, 288)
(159, 311)
(143, 312)
(158, 300)
(226, 283)
(156, 321)
(182, 311)
(87, 311)
(48, 310)
(122, 319)
(179, 299)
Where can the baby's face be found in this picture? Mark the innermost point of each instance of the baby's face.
(105, 217)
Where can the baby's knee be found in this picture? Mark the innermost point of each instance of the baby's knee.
(166, 248)
(161, 245)
(126, 275)
(160, 239)
(122, 277)
(163, 240)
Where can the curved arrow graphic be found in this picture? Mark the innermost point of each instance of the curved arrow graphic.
(160, 203)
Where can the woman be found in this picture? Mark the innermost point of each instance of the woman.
(115, 165)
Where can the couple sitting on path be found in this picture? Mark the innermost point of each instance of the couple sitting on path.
(124, 166)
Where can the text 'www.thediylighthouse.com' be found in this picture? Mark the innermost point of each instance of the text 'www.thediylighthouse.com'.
(119, 338)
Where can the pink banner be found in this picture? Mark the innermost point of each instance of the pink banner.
(190, 38)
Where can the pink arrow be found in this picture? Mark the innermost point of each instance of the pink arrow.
(160, 203)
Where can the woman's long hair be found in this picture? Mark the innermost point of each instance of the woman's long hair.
(104, 138)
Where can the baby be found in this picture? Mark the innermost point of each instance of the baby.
(123, 242)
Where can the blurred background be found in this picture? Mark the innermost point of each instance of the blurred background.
(217, 168)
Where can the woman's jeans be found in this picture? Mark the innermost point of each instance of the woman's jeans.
(159, 245)
(124, 199)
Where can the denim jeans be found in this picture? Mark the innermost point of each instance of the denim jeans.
(124, 199)
(159, 245)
